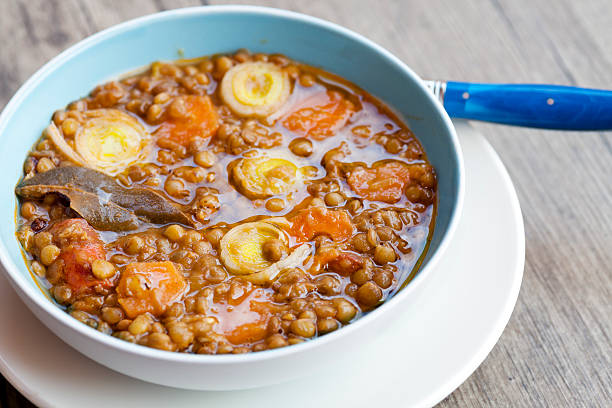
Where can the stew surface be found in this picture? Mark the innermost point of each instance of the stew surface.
(228, 204)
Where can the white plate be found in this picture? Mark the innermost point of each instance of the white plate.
(441, 339)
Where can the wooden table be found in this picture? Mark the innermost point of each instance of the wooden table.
(556, 350)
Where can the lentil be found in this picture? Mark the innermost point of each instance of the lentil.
(44, 164)
(334, 199)
(361, 276)
(141, 324)
(49, 254)
(180, 334)
(42, 239)
(28, 210)
(303, 327)
(383, 278)
(327, 325)
(175, 187)
(384, 254)
(275, 205)
(276, 341)
(112, 315)
(273, 250)
(301, 147)
(205, 159)
(39, 269)
(214, 236)
(160, 341)
(345, 310)
(102, 269)
(369, 294)
(174, 232)
(361, 243)
(134, 245)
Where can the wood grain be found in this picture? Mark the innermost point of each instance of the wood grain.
(556, 350)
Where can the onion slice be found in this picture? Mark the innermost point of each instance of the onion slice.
(263, 177)
(107, 140)
(296, 259)
(59, 142)
(241, 252)
(255, 88)
(241, 247)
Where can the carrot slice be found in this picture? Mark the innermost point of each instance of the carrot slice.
(244, 319)
(200, 119)
(314, 221)
(320, 116)
(149, 287)
(384, 182)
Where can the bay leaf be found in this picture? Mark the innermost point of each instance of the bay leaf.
(101, 200)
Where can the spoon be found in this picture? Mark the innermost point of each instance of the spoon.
(530, 105)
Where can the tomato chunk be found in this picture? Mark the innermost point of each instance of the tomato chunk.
(77, 266)
(345, 263)
(314, 221)
(320, 116)
(384, 182)
(79, 246)
(190, 116)
(75, 231)
(149, 287)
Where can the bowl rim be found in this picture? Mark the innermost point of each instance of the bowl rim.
(19, 280)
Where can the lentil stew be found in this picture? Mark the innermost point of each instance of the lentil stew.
(229, 204)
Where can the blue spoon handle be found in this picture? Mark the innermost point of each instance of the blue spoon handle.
(539, 106)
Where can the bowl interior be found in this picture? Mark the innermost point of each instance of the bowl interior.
(193, 33)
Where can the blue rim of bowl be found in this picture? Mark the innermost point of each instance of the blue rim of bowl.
(230, 359)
